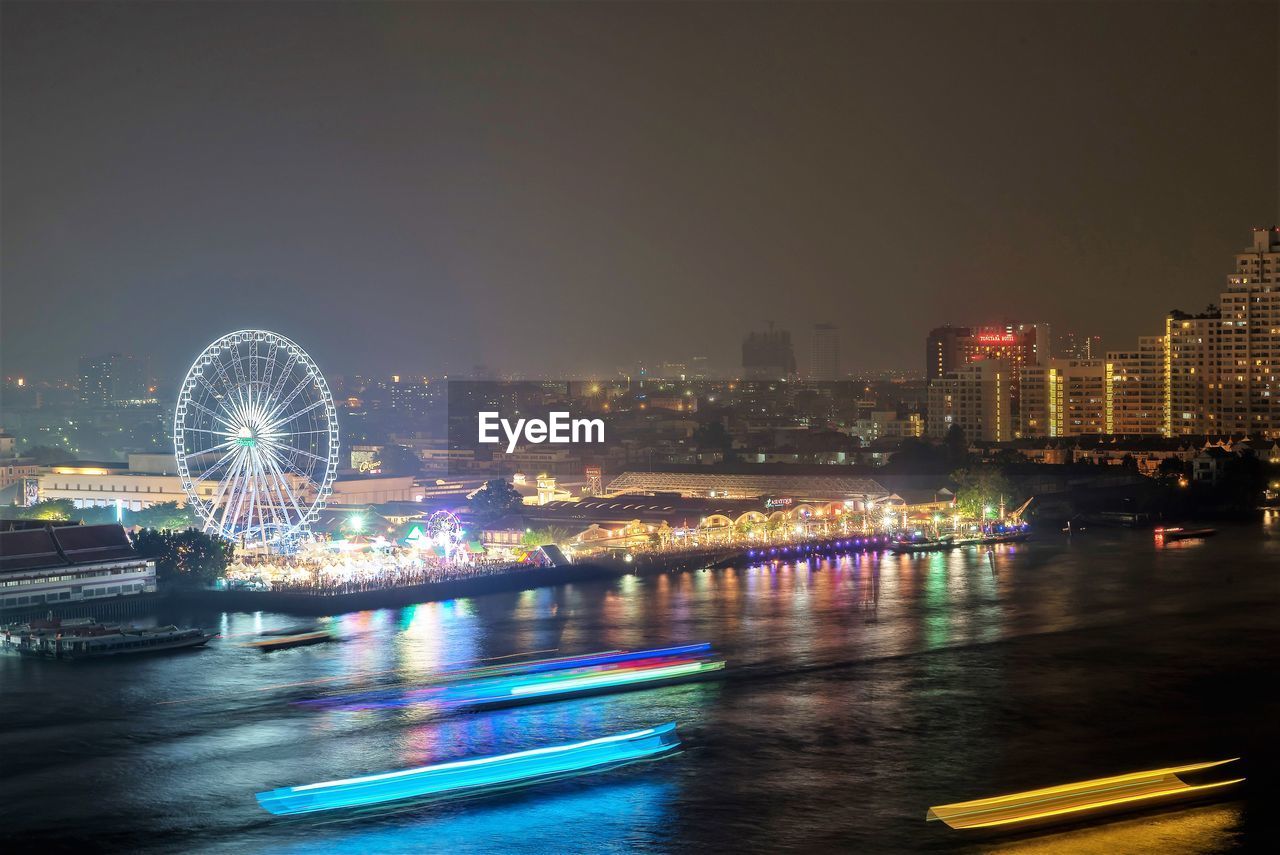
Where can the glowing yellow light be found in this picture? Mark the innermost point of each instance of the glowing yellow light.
(1076, 798)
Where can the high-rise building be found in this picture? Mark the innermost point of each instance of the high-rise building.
(1190, 357)
(1248, 376)
(1219, 370)
(768, 355)
(1135, 389)
(113, 379)
(1016, 344)
(943, 351)
(1070, 345)
(974, 397)
(824, 352)
(1066, 397)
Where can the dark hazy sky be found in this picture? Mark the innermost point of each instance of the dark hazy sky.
(543, 187)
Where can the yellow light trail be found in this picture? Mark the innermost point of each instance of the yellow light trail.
(1077, 798)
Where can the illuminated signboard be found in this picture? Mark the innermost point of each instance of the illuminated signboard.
(776, 503)
(997, 338)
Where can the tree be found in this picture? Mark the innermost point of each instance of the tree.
(1171, 468)
(541, 537)
(957, 445)
(46, 455)
(494, 500)
(712, 436)
(53, 510)
(981, 487)
(164, 516)
(190, 556)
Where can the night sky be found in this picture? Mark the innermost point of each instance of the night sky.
(561, 188)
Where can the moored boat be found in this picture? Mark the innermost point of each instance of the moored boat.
(84, 638)
(907, 547)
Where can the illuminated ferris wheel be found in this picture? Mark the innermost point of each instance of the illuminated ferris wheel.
(255, 432)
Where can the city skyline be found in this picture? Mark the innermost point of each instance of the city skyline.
(426, 188)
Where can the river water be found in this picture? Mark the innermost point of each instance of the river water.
(859, 692)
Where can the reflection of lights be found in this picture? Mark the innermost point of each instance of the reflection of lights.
(470, 776)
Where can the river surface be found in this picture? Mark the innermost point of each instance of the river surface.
(859, 692)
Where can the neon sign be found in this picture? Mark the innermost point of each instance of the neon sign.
(776, 503)
(997, 338)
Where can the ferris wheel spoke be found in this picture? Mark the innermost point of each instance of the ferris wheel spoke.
(282, 487)
(242, 384)
(226, 458)
(211, 414)
(279, 513)
(280, 407)
(300, 413)
(226, 443)
(278, 387)
(223, 395)
(216, 396)
(281, 448)
(244, 482)
(227, 492)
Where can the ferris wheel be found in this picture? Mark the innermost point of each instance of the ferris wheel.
(255, 433)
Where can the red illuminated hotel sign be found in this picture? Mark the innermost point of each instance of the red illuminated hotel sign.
(997, 338)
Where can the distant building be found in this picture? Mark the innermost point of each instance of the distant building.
(768, 355)
(781, 484)
(113, 380)
(1219, 370)
(1070, 345)
(824, 352)
(975, 398)
(1190, 353)
(1135, 389)
(1066, 397)
(151, 479)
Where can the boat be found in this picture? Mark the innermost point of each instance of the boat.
(284, 642)
(515, 684)
(907, 547)
(1082, 800)
(1005, 537)
(1175, 533)
(476, 775)
(84, 638)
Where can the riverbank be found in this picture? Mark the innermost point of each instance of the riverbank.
(516, 579)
